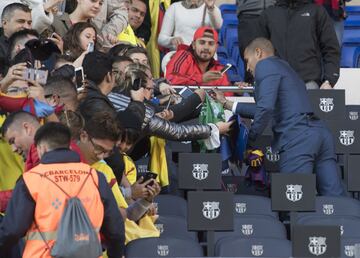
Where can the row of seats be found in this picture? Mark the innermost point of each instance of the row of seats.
(256, 228)
(229, 46)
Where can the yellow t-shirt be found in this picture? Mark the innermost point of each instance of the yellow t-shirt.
(146, 227)
(11, 164)
(130, 169)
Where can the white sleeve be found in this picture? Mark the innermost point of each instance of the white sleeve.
(233, 109)
(40, 20)
(213, 141)
(168, 27)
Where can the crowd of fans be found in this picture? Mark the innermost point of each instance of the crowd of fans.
(94, 66)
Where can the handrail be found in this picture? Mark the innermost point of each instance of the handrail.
(220, 88)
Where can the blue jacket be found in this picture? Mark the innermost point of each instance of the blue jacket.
(20, 211)
(281, 97)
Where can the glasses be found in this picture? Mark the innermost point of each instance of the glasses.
(98, 150)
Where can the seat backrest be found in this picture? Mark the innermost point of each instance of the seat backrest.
(163, 247)
(349, 225)
(348, 246)
(174, 226)
(334, 206)
(254, 226)
(171, 205)
(253, 247)
(252, 204)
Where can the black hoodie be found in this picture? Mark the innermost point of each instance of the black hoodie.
(303, 35)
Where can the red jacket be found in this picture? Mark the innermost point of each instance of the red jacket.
(183, 69)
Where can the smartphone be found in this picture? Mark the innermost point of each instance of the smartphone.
(90, 47)
(37, 75)
(79, 76)
(185, 92)
(227, 67)
(149, 175)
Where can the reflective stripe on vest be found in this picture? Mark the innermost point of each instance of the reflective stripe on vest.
(51, 235)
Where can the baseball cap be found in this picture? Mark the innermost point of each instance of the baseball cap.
(206, 31)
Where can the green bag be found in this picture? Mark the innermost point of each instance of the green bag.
(211, 112)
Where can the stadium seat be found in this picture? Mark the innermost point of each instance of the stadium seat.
(174, 226)
(171, 205)
(356, 57)
(253, 205)
(348, 246)
(157, 247)
(353, 10)
(349, 226)
(222, 52)
(333, 206)
(254, 227)
(253, 247)
(227, 8)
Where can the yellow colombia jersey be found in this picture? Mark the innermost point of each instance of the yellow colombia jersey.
(130, 169)
(11, 164)
(145, 227)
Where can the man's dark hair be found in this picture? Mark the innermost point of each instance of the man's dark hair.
(11, 8)
(19, 36)
(136, 50)
(61, 86)
(119, 49)
(96, 66)
(54, 135)
(119, 59)
(102, 125)
(261, 43)
(16, 117)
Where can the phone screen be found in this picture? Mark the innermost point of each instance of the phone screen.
(186, 92)
(227, 67)
(90, 47)
(79, 75)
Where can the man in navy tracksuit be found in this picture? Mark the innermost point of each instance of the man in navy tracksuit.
(303, 141)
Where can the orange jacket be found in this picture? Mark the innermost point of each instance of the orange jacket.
(50, 201)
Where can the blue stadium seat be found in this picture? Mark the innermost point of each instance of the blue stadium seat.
(253, 205)
(356, 58)
(174, 226)
(348, 55)
(254, 227)
(157, 247)
(222, 52)
(227, 8)
(353, 10)
(348, 247)
(171, 205)
(328, 206)
(349, 226)
(253, 247)
(229, 26)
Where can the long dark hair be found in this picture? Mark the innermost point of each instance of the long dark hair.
(72, 46)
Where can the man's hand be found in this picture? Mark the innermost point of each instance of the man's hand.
(326, 86)
(201, 93)
(224, 127)
(242, 84)
(219, 96)
(15, 72)
(139, 190)
(51, 6)
(36, 91)
(138, 95)
(166, 89)
(153, 190)
(176, 41)
(211, 76)
(166, 114)
(210, 4)
(56, 38)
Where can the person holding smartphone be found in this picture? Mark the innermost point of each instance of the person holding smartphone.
(195, 65)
